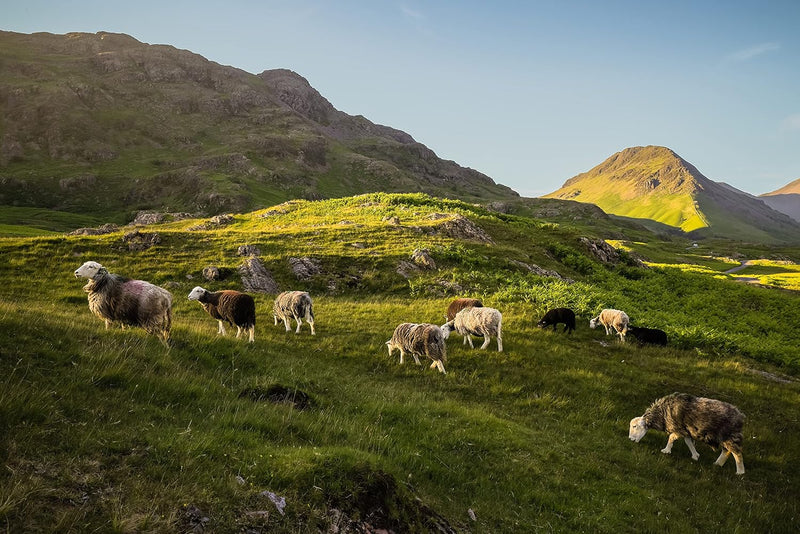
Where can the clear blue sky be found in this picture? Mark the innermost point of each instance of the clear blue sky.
(529, 92)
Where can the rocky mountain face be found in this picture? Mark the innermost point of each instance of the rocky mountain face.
(654, 183)
(104, 124)
(786, 199)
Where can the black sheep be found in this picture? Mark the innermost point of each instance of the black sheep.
(648, 336)
(559, 315)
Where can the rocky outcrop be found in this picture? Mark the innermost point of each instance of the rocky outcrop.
(304, 268)
(256, 277)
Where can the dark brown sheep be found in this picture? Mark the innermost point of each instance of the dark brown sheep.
(459, 304)
(228, 306)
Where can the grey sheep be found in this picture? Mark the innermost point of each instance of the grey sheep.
(711, 421)
(234, 307)
(459, 304)
(115, 298)
(611, 319)
(486, 322)
(295, 305)
(420, 340)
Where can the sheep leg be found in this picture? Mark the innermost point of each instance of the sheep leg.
(440, 365)
(299, 322)
(469, 339)
(238, 331)
(416, 359)
(486, 339)
(108, 324)
(499, 337)
(286, 324)
(310, 321)
(433, 364)
(276, 319)
(723, 457)
(670, 440)
(402, 354)
(606, 327)
(221, 329)
(252, 333)
(690, 444)
(739, 462)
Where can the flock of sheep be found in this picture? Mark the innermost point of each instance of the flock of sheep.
(116, 299)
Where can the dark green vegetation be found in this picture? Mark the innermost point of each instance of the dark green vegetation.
(653, 183)
(107, 431)
(104, 125)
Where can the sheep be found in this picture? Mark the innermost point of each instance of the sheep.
(131, 302)
(459, 304)
(558, 315)
(420, 340)
(486, 322)
(295, 305)
(615, 319)
(694, 418)
(652, 336)
(229, 306)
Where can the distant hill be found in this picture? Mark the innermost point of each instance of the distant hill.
(786, 199)
(654, 183)
(104, 125)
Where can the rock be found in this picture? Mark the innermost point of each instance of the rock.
(107, 228)
(256, 278)
(144, 218)
(601, 250)
(539, 271)
(394, 220)
(406, 269)
(211, 273)
(422, 258)
(138, 241)
(248, 250)
(459, 227)
(304, 268)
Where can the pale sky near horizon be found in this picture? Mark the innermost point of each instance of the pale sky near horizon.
(529, 93)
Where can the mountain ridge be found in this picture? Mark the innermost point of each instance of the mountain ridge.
(653, 182)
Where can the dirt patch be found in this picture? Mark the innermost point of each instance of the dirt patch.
(279, 394)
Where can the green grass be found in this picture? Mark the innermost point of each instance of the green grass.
(108, 431)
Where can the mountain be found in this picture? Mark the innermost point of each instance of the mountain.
(654, 183)
(786, 199)
(102, 124)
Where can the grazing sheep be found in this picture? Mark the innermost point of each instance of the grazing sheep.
(615, 319)
(295, 305)
(486, 322)
(651, 336)
(420, 340)
(694, 418)
(459, 304)
(229, 306)
(559, 315)
(115, 298)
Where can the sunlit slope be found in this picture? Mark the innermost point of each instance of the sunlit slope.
(655, 183)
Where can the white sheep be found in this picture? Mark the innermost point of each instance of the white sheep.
(295, 305)
(115, 298)
(615, 320)
(233, 307)
(486, 322)
(420, 340)
(711, 421)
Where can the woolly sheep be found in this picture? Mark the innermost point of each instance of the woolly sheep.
(651, 336)
(459, 304)
(711, 421)
(295, 305)
(486, 322)
(115, 298)
(558, 315)
(420, 340)
(229, 306)
(614, 319)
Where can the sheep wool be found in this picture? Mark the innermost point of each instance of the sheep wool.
(611, 319)
(459, 304)
(420, 340)
(295, 305)
(114, 298)
(711, 421)
(485, 322)
(234, 307)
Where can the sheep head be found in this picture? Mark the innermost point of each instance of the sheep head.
(447, 328)
(593, 322)
(90, 269)
(637, 430)
(196, 293)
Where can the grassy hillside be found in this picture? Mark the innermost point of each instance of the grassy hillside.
(109, 431)
(655, 183)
